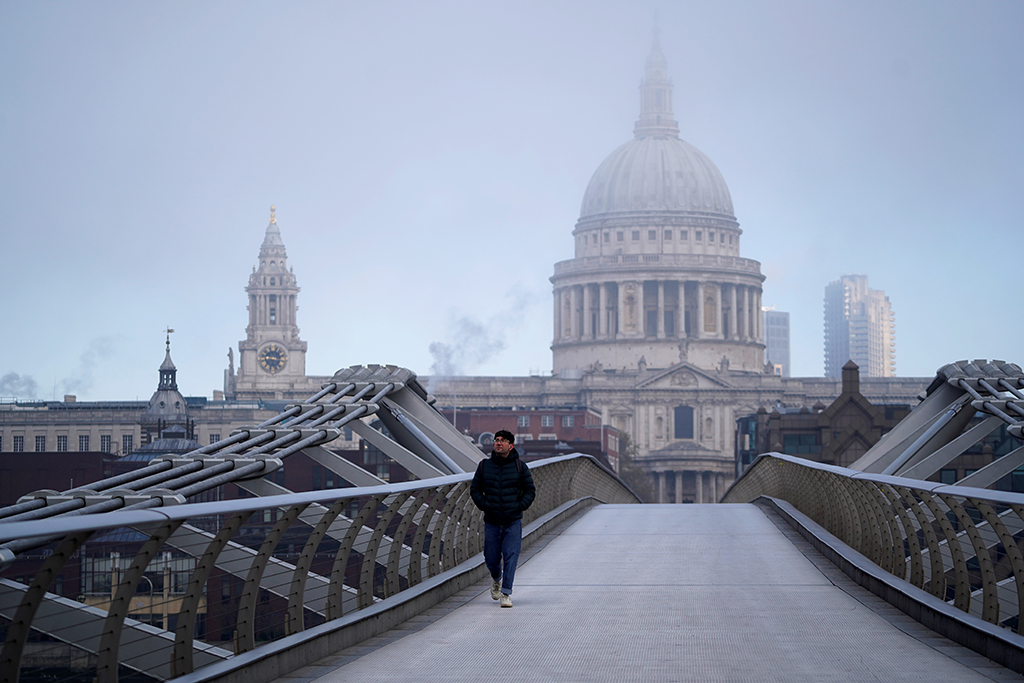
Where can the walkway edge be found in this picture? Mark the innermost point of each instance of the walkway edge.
(275, 660)
(991, 641)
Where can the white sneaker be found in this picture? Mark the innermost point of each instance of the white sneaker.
(496, 590)
(506, 600)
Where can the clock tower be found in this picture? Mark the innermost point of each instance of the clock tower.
(272, 358)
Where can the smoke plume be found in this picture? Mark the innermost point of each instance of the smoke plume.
(13, 385)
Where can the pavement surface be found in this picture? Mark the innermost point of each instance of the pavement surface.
(665, 593)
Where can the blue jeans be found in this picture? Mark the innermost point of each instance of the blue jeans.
(501, 545)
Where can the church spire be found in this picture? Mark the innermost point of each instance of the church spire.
(272, 240)
(656, 116)
(168, 373)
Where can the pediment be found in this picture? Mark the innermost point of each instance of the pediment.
(854, 405)
(684, 376)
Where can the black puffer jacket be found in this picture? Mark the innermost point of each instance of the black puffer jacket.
(499, 491)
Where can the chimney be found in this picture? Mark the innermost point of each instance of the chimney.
(851, 378)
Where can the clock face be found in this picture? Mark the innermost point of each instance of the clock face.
(273, 358)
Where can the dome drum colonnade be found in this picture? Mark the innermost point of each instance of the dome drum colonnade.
(651, 302)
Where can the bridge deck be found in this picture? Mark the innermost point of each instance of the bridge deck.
(668, 593)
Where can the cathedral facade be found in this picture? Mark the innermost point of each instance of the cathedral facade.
(658, 319)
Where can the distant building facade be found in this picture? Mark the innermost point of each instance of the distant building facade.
(541, 431)
(776, 340)
(860, 326)
(840, 433)
(837, 434)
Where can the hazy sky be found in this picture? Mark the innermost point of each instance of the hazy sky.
(428, 160)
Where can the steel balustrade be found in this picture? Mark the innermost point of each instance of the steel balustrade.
(151, 594)
(958, 543)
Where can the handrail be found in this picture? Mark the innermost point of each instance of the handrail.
(166, 591)
(959, 543)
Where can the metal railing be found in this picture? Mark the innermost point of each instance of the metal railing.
(963, 545)
(152, 594)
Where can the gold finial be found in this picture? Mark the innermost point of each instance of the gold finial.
(272, 218)
(169, 330)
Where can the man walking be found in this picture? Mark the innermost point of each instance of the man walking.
(503, 488)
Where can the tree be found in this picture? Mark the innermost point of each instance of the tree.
(631, 473)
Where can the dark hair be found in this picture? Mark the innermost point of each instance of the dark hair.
(505, 434)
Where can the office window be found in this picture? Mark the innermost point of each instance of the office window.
(214, 438)
(524, 437)
(800, 444)
(40, 443)
(548, 437)
(83, 442)
(524, 421)
(547, 420)
(19, 444)
(127, 444)
(947, 476)
(568, 420)
(104, 443)
(62, 443)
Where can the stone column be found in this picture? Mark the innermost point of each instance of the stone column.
(660, 476)
(641, 309)
(681, 310)
(713, 484)
(757, 318)
(700, 311)
(574, 316)
(620, 312)
(588, 319)
(679, 486)
(749, 315)
(719, 306)
(661, 309)
(733, 318)
(602, 315)
(558, 315)
(698, 487)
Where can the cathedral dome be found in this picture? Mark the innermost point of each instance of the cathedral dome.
(657, 173)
